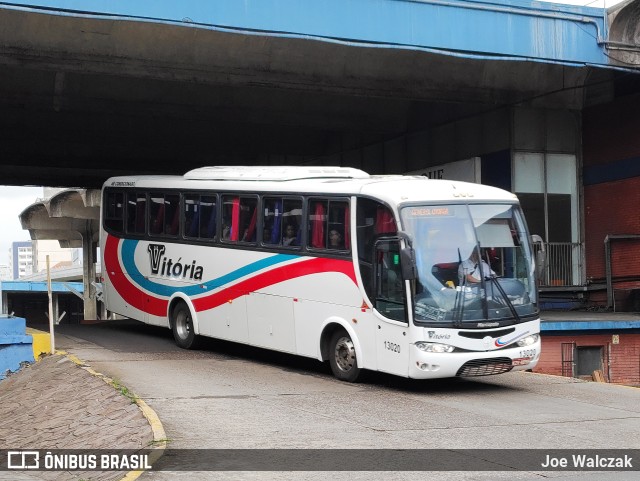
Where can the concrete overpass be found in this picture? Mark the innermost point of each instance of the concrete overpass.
(94, 88)
(72, 217)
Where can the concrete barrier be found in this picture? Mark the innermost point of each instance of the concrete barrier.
(16, 346)
(41, 342)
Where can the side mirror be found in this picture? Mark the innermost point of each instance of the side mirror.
(408, 263)
(408, 258)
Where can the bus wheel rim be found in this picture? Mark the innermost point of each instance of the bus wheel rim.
(345, 354)
(182, 325)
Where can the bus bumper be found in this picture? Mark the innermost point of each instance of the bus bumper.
(426, 365)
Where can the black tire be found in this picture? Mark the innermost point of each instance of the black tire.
(342, 357)
(182, 327)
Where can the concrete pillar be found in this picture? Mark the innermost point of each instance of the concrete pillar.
(3, 300)
(54, 307)
(89, 275)
(103, 312)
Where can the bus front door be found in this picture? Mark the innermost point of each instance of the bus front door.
(391, 309)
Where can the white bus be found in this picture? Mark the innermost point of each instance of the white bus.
(366, 272)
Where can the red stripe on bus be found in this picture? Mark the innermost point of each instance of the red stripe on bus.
(158, 307)
(275, 276)
(131, 294)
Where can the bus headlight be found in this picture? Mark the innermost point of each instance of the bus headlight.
(434, 347)
(527, 341)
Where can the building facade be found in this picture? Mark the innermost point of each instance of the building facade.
(579, 348)
(21, 257)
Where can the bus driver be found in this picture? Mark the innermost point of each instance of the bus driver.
(473, 269)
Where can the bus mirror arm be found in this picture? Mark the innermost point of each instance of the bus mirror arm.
(536, 239)
(406, 238)
(407, 258)
(540, 255)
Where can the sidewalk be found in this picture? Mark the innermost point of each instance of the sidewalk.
(57, 404)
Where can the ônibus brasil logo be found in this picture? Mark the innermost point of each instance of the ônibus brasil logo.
(166, 266)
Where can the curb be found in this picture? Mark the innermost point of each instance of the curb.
(159, 443)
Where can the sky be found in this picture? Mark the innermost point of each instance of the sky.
(13, 200)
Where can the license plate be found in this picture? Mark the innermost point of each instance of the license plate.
(522, 361)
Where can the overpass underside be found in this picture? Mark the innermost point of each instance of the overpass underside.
(83, 98)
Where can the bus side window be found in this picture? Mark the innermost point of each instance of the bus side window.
(329, 225)
(191, 215)
(248, 219)
(113, 211)
(171, 214)
(292, 224)
(240, 215)
(373, 220)
(156, 214)
(282, 222)
(338, 229)
(136, 212)
(207, 218)
(317, 220)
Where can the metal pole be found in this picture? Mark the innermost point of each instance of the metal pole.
(51, 320)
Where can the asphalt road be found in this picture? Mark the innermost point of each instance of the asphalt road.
(237, 397)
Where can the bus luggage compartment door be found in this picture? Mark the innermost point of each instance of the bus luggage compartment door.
(270, 321)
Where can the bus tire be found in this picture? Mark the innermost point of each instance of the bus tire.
(342, 357)
(182, 327)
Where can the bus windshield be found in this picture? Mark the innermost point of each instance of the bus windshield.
(474, 264)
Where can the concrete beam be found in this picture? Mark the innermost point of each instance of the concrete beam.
(74, 203)
(73, 218)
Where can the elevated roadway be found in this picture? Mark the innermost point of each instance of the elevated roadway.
(90, 89)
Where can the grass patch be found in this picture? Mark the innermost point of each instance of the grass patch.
(124, 390)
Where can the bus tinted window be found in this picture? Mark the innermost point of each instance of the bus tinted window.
(114, 211)
(239, 218)
(164, 214)
(208, 219)
(136, 212)
(171, 214)
(200, 216)
(282, 222)
(373, 220)
(156, 214)
(329, 224)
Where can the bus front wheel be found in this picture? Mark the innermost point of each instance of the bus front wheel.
(342, 357)
(182, 327)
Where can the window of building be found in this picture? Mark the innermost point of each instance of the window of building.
(588, 359)
(546, 185)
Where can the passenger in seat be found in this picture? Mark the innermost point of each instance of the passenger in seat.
(335, 239)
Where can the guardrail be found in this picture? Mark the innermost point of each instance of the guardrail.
(564, 266)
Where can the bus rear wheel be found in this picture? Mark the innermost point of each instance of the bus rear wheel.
(342, 357)
(182, 327)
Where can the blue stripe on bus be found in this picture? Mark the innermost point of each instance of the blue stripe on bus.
(128, 261)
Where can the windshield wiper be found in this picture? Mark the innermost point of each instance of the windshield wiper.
(458, 305)
(504, 295)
